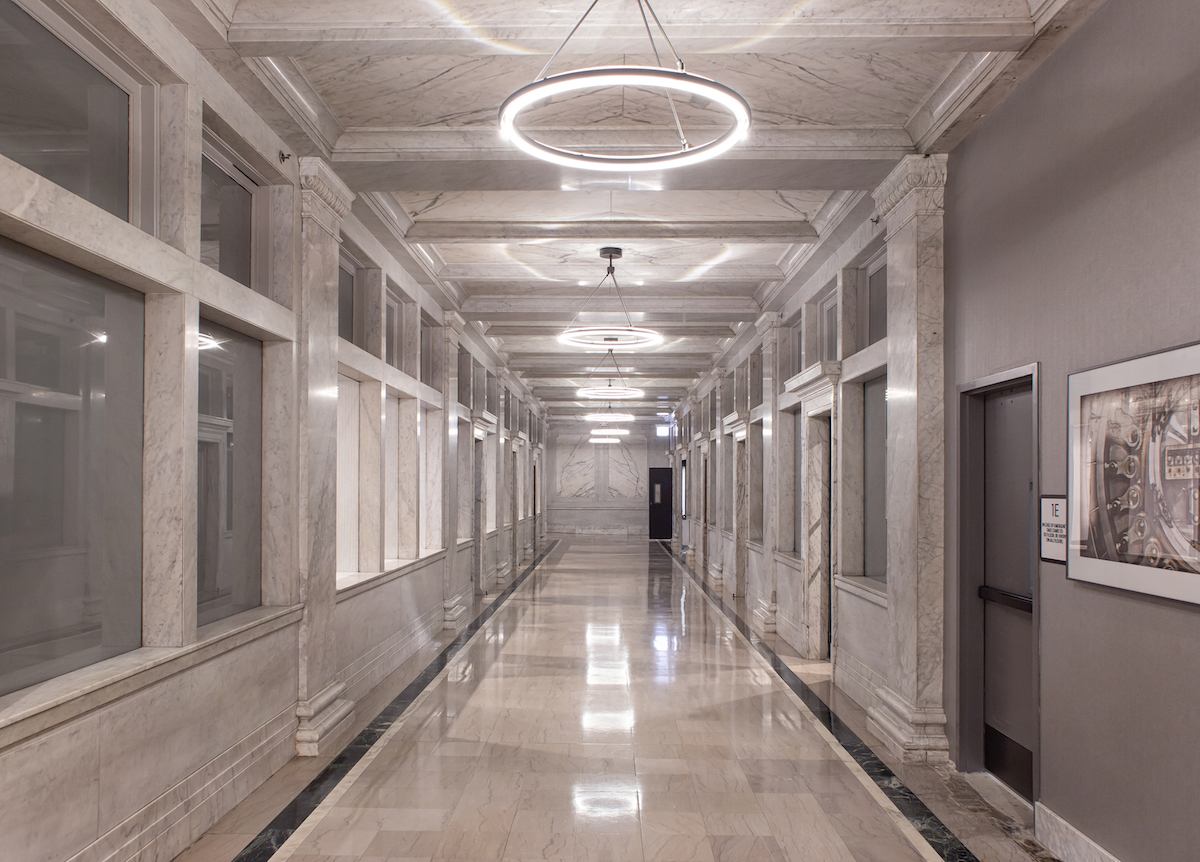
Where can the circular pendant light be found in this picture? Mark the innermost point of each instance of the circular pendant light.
(671, 82)
(610, 432)
(628, 337)
(609, 337)
(610, 392)
(644, 77)
(604, 440)
(608, 416)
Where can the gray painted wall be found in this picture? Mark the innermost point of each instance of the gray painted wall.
(1073, 240)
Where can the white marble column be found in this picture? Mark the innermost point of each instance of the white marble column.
(455, 589)
(407, 478)
(910, 717)
(770, 477)
(169, 470)
(371, 411)
(718, 466)
(816, 539)
(370, 288)
(181, 124)
(325, 201)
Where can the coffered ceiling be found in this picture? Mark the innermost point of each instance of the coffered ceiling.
(402, 96)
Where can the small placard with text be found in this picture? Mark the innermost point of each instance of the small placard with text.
(1054, 529)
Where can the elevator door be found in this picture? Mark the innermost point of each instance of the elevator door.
(660, 502)
(1009, 708)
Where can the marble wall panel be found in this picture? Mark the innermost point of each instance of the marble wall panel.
(628, 474)
(576, 467)
(55, 772)
(380, 626)
(150, 740)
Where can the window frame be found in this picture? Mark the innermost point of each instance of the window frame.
(107, 59)
(229, 162)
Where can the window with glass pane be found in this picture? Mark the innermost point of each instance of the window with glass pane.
(61, 117)
(70, 468)
(875, 478)
(391, 335)
(877, 305)
(829, 330)
(346, 303)
(226, 226)
(228, 474)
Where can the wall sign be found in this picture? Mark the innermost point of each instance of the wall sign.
(1054, 529)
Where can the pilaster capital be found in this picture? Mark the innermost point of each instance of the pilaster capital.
(914, 173)
(768, 323)
(454, 323)
(323, 196)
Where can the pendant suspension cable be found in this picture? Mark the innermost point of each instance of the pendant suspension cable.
(670, 99)
(578, 23)
(628, 320)
(592, 294)
(663, 30)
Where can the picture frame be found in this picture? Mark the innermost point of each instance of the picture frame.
(1133, 455)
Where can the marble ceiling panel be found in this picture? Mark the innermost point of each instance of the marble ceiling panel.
(647, 253)
(462, 15)
(550, 343)
(439, 91)
(584, 205)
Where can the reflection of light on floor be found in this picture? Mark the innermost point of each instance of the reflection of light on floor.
(662, 643)
(603, 636)
(610, 803)
(608, 673)
(607, 722)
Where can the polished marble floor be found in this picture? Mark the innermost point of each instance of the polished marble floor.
(607, 712)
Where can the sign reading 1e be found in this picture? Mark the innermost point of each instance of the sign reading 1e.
(1054, 529)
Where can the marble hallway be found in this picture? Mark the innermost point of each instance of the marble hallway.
(608, 710)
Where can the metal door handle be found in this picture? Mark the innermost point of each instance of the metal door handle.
(1009, 600)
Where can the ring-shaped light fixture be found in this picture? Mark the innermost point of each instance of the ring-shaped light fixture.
(610, 337)
(645, 77)
(608, 417)
(610, 393)
(604, 440)
(610, 432)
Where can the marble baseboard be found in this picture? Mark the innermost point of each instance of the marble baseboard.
(789, 630)
(1064, 840)
(178, 818)
(856, 679)
(364, 673)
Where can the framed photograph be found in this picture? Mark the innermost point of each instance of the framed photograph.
(1133, 507)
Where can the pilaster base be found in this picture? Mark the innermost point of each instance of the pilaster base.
(503, 571)
(715, 577)
(453, 613)
(913, 734)
(764, 618)
(322, 719)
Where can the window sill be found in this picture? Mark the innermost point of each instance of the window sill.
(350, 584)
(867, 588)
(790, 559)
(40, 707)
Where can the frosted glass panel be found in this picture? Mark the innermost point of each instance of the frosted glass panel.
(226, 208)
(70, 468)
(61, 117)
(228, 474)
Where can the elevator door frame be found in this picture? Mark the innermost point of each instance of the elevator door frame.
(971, 397)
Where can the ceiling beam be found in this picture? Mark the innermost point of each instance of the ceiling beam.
(571, 273)
(359, 33)
(547, 329)
(496, 231)
(549, 308)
